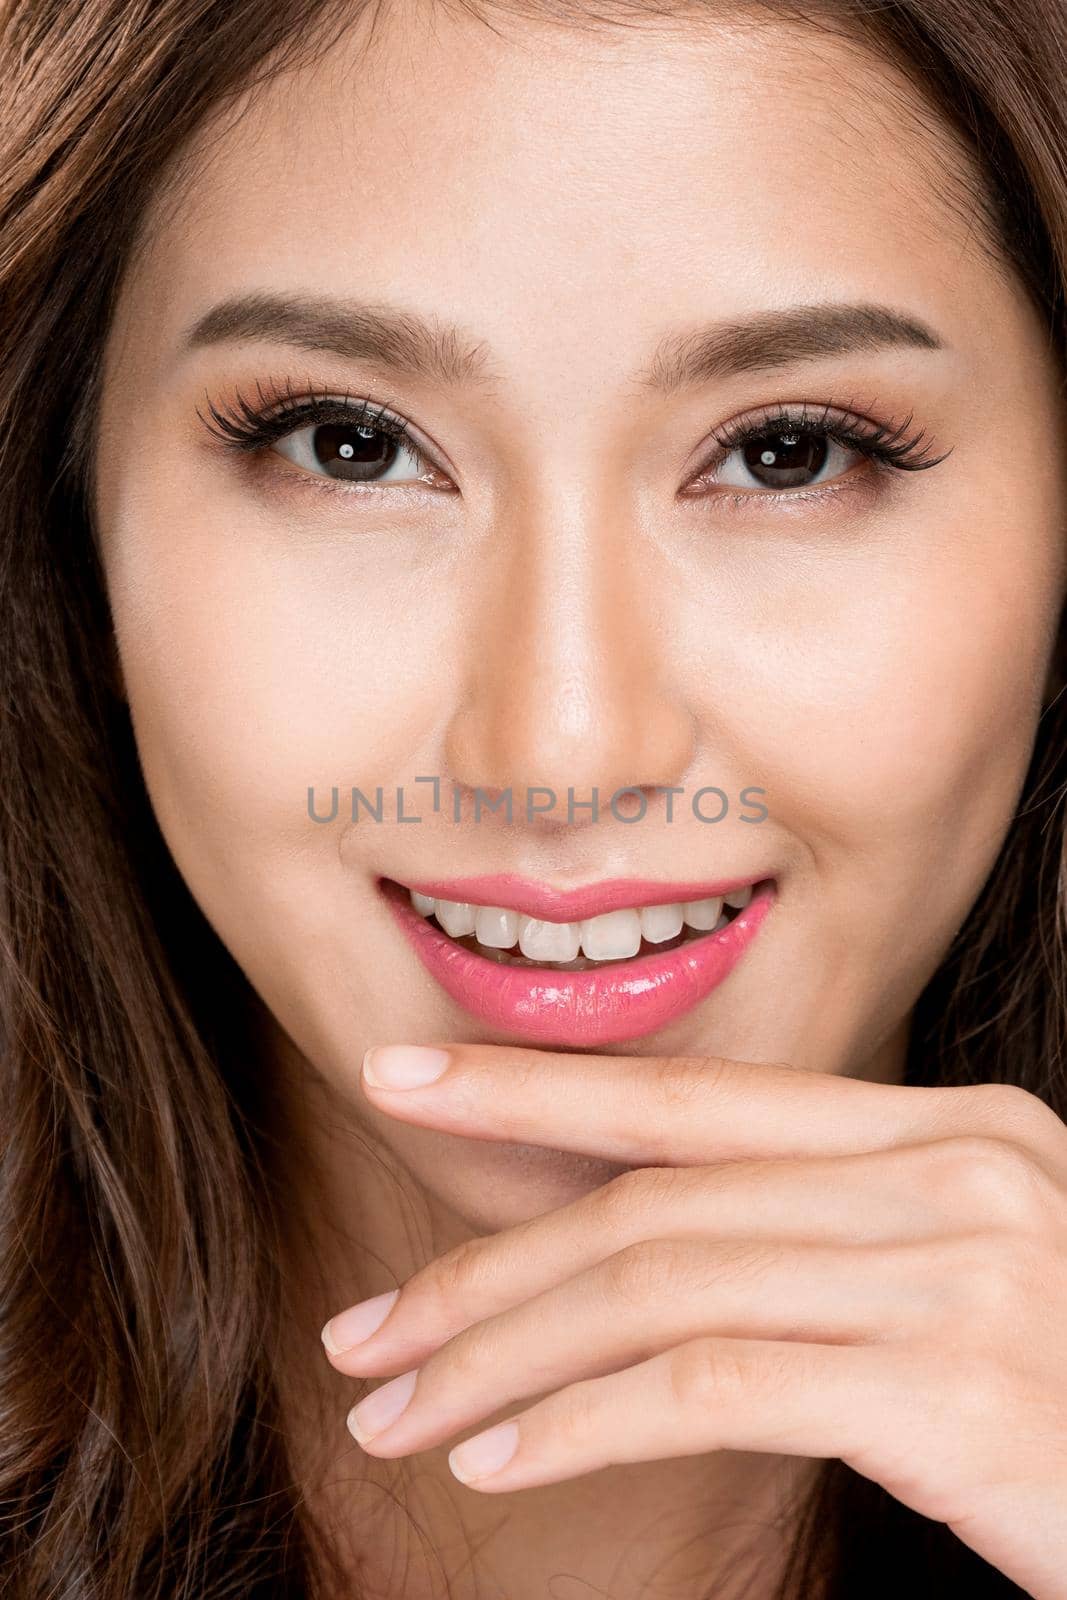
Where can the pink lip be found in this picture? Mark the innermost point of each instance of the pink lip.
(570, 905)
(604, 1005)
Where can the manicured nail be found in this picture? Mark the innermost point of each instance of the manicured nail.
(487, 1452)
(351, 1327)
(403, 1066)
(374, 1414)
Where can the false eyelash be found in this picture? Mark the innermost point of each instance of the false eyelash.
(246, 427)
(886, 445)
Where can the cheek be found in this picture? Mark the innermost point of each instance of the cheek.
(890, 697)
(254, 670)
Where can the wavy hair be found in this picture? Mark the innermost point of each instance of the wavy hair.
(141, 1452)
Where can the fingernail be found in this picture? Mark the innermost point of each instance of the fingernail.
(351, 1327)
(403, 1066)
(378, 1410)
(487, 1452)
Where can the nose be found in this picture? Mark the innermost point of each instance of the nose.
(570, 685)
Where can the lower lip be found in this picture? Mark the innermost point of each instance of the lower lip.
(604, 1005)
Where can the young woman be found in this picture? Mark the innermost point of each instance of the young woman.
(539, 534)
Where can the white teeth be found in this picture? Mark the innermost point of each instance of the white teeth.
(496, 927)
(612, 936)
(548, 941)
(702, 914)
(455, 917)
(659, 923)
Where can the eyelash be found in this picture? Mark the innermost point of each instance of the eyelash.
(890, 447)
(249, 429)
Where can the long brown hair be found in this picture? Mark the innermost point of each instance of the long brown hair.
(141, 1452)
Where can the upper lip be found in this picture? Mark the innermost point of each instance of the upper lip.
(515, 893)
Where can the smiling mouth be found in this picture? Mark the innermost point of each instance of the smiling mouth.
(510, 938)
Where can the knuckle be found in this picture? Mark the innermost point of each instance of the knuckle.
(683, 1078)
(703, 1373)
(525, 1069)
(635, 1194)
(454, 1281)
(984, 1283)
(644, 1271)
(682, 1084)
(467, 1358)
(679, 1082)
(572, 1418)
(983, 1291)
(736, 1260)
(1009, 1109)
(665, 1270)
(986, 1176)
(977, 1389)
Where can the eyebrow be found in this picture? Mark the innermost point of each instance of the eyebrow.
(415, 346)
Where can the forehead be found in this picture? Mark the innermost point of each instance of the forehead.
(608, 180)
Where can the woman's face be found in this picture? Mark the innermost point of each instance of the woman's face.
(569, 575)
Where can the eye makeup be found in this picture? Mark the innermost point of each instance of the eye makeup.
(789, 437)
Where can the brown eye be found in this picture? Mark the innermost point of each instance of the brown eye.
(352, 452)
(784, 459)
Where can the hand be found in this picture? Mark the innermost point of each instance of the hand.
(799, 1263)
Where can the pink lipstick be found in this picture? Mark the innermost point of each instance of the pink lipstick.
(606, 1004)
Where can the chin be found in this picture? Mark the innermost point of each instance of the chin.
(524, 1181)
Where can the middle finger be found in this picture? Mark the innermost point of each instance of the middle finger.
(645, 1299)
(873, 1197)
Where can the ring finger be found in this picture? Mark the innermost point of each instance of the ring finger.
(875, 1197)
(644, 1299)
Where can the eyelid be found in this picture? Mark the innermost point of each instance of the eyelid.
(380, 422)
(887, 446)
(252, 430)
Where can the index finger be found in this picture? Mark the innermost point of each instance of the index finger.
(678, 1110)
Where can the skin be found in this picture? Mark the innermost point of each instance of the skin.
(875, 657)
